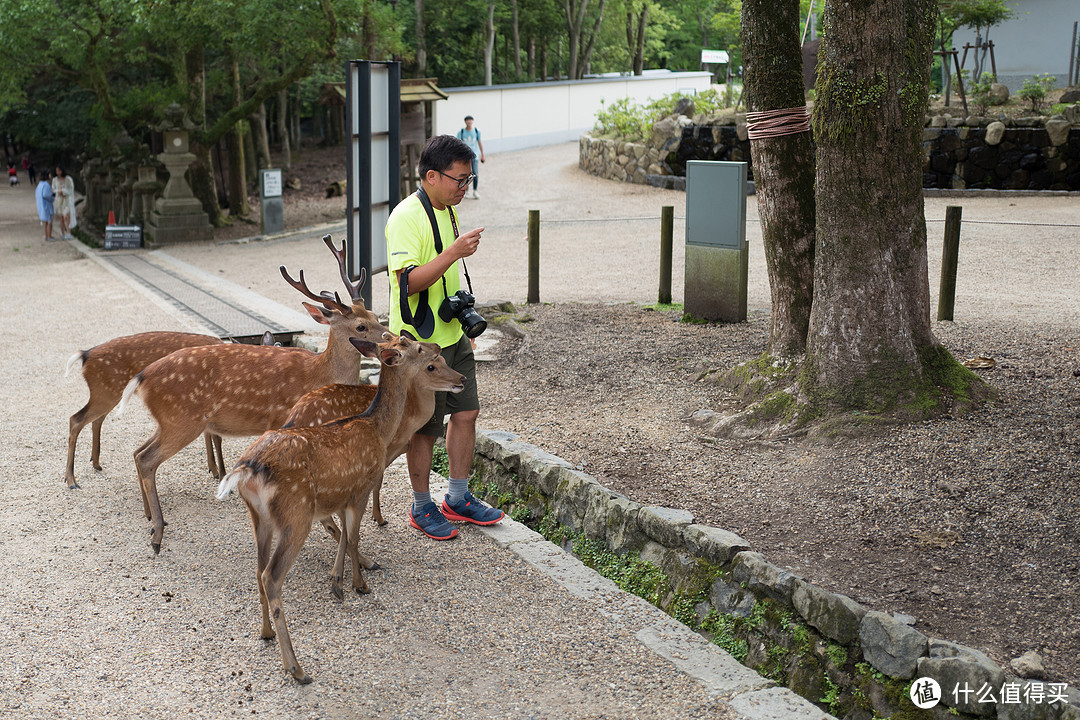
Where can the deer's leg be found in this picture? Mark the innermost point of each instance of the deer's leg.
(264, 541)
(339, 560)
(376, 506)
(160, 448)
(75, 425)
(359, 582)
(291, 540)
(219, 456)
(332, 529)
(211, 460)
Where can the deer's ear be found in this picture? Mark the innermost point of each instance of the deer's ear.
(318, 314)
(367, 349)
(389, 356)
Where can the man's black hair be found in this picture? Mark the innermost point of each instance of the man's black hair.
(442, 151)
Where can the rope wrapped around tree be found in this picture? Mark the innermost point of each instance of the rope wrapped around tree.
(777, 123)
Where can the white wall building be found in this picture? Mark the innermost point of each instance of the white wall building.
(514, 117)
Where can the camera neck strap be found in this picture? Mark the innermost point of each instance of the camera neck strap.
(424, 320)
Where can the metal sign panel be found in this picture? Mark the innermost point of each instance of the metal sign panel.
(373, 119)
(716, 203)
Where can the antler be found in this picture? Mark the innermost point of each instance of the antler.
(324, 299)
(354, 290)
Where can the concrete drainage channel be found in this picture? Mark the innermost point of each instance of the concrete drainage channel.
(859, 663)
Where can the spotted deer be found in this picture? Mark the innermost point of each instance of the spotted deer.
(107, 368)
(292, 476)
(331, 402)
(243, 390)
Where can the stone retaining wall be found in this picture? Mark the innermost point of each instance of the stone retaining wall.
(1029, 154)
(849, 659)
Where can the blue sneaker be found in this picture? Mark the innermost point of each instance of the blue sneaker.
(431, 522)
(472, 510)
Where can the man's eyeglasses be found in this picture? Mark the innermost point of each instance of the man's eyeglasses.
(462, 183)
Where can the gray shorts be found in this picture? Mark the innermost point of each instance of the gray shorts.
(459, 357)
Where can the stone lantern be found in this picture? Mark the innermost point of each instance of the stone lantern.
(177, 215)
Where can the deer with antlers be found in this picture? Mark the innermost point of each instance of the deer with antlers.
(243, 390)
(107, 368)
(292, 476)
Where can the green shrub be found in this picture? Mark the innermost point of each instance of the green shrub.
(1034, 91)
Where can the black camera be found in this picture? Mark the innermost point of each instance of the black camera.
(460, 306)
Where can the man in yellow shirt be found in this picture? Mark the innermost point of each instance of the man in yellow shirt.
(428, 267)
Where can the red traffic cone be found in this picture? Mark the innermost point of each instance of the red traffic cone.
(112, 218)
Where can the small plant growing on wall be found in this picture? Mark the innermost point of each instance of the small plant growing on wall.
(979, 92)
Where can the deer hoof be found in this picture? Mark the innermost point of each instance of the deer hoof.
(301, 677)
(157, 547)
(338, 592)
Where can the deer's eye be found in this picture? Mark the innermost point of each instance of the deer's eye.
(431, 368)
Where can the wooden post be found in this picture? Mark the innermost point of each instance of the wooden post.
(667, 224)
(949, 254)
(534, 257)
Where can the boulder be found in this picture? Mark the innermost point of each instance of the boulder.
(685, 106)
(1070, 96)
(999, 94)
(890, 645)
(732, 599)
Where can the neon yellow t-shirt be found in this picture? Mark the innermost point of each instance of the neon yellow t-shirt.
(409, 241)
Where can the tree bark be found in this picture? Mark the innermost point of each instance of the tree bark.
(202, 182)
(421, 41)
(586, 52)
(515, 38)
(870, 342)
(489, 44)
(783, 168)
(260, 136)
(239, 208)
(283, 128)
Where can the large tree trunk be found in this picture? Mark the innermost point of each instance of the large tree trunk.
(783, 168)
(870, 343)
(635, 38)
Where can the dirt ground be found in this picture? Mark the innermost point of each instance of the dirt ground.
(969, 524)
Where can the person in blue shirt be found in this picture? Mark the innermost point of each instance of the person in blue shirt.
(471, 137)
(44, 198)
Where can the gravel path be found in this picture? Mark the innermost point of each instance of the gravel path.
(93, 625)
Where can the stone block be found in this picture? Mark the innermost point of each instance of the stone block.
(995, 131)
(665, 525)
(957, 668)
(623, 532)
(836, 616)
(1058, 129)
(763, 577)
(890, 645)
(731, 598)
(714, 544)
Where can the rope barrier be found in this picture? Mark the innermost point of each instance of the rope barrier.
(777, 123)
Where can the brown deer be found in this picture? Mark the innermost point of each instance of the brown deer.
(292, 476)
(107, 368)
(238, 390)
(331, 402)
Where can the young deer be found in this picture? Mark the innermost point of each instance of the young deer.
(238, 390)
(331, 402)
(107, 368)
(292, 476)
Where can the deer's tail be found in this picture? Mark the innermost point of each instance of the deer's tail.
(132, 386)
(77, 357)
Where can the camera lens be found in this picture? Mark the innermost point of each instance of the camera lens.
(472, 322)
